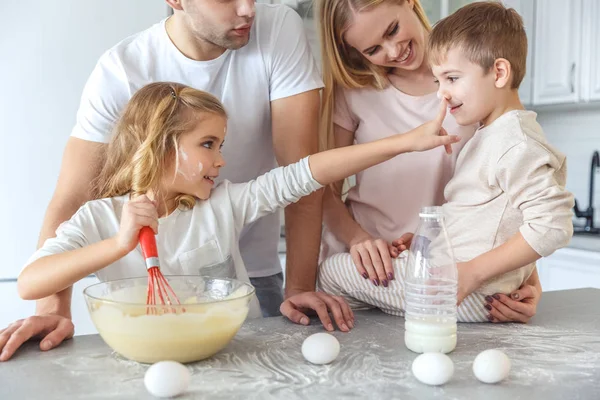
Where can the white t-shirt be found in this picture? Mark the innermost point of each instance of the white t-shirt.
(276, 63)
(201, 241)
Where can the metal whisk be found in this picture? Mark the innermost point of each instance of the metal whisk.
(159, 289)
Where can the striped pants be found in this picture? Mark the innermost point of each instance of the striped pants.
(338, 276)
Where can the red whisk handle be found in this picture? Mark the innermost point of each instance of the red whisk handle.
(148, 244)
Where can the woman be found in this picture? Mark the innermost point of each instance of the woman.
(377, 83)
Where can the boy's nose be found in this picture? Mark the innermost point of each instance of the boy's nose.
(442, 94)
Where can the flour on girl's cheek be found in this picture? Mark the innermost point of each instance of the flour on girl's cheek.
(182, 157)
(183, 166)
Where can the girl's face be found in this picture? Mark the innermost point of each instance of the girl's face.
(389, 35)
(196, 165)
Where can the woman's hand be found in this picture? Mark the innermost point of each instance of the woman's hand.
(137, 213)
(373, 259)
(520, 306)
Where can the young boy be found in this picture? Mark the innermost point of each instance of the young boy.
(506, 205)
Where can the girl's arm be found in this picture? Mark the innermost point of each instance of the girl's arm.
(285, 185)
(74, 254)
(333, 165)
(54, 273)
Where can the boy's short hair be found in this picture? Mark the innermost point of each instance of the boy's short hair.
(484, 32)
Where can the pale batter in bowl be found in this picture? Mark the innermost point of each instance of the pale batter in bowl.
(212, 313)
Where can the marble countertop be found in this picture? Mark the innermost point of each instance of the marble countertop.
(555, 356)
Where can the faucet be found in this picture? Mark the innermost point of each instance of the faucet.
(589, 213)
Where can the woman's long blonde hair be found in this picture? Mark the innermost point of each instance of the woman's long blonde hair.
(146, 139)
(344, 66)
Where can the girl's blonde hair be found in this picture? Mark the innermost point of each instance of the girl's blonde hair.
(146, 138)
(344, 66)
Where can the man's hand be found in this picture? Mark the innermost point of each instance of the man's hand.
(297, 306)
(52, 329)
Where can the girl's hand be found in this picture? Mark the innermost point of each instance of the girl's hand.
(403, 243)
(520, 306)
(431, 134)
(373, 259)
(137, 213)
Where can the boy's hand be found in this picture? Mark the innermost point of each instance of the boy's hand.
(403, 243)
(373, 259)
(467, 281)
(137, 213)
(431, 134)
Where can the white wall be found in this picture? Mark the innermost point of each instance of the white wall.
(576, 132)
(47, 51)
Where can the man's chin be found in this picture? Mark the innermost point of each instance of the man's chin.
(237, 42)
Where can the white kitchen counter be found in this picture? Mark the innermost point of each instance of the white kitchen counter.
(585, 242)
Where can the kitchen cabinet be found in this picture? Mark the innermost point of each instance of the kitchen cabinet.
(590, 62)
(557, 51)
(566, 52)
(570, 268)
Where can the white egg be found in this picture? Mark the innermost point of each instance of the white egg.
(433, 368)
(320, 348)
(491, 366)
(167, 379)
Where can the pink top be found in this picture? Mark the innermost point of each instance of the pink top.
(387, 198)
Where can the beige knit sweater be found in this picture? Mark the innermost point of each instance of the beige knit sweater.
(508, 179)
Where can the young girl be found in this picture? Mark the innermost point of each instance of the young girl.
(378, 82)
(162, 165)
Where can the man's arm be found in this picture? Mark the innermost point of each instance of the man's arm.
(295, 121)
(81, 163)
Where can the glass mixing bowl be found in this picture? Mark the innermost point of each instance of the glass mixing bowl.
(211, 313)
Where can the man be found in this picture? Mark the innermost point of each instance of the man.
(260, 66)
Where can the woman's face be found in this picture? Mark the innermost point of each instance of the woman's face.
(389, 35)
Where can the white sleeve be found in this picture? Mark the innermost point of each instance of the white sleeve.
(104, 96)
(73, 234)
(534, 179)
(271, 191)
(291, 62)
